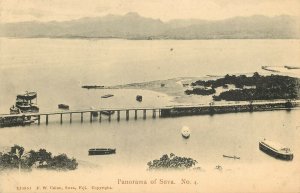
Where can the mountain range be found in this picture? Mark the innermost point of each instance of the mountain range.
(134, 26)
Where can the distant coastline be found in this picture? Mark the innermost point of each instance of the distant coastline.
(132, 26)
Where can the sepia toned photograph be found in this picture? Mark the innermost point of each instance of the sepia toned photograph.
(124, 96)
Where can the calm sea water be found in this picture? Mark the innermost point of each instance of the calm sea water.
(56, 69)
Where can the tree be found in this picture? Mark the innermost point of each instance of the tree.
(42, 158)
(17, 158)
(17, 153)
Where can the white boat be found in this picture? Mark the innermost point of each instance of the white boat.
(275, 150)
(185, 132)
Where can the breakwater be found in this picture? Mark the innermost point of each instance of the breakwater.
(229, 108)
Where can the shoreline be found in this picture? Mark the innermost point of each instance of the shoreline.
(176, 87)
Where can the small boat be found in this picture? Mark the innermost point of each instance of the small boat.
(101, 151)
(275, 150)
(63, 106)
(185, 132)
(292, 67)
(27, 96)
(107, 112)
(92, 86)
(267, 68)
(139, 98)
(233, 157)
(107, 96)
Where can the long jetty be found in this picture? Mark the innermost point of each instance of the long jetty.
(7, 120)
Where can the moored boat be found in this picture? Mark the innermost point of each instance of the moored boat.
(101, 151)
(107, 96)
(63, 106)
(92, 86)
(24, 103)
(185, 132)
(139, 98)
(233, 157)
(275, 150)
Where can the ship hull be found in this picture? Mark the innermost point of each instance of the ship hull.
(101, 151)
(275, 154)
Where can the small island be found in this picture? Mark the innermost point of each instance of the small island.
(204, 90)
(248, 88)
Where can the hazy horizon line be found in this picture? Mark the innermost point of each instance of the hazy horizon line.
(163, 21)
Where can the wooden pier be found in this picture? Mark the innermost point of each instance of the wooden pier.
(83, 113)
(7, 120)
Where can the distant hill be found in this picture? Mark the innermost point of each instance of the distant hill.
(133, 26)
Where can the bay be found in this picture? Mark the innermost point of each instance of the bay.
(57, 68)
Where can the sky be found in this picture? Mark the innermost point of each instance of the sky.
(60, 10)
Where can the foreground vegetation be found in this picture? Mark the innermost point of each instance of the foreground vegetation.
(17, 158)
(261, 87)
(171, 162)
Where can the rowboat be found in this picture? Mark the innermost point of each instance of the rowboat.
(107, 96)
(92, 86)
(233, 157)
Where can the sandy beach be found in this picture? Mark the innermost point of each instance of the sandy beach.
(175, 87)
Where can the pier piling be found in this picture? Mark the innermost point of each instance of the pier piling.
(127, 115)
(70, 117)
(109, 117)
(81, 117)
(39, 119)
(100, 116)
(144, 114)
(154, 114)
(91, 116)
(61, 120)
(135, 114)
(118, 115)
(47, 119)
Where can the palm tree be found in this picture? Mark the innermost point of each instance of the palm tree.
(18, 152)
